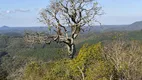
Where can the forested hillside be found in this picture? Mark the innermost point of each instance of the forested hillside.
(16, 56)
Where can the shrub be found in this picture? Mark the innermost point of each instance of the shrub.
(88, 65)
(126, 57)
(3, 74)
(115, 61)
(34, 71)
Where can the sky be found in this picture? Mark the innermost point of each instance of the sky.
(24, 13)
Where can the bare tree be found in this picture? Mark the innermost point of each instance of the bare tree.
(126, 57)
(67, 18)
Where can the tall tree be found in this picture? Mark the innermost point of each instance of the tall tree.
(67, 18)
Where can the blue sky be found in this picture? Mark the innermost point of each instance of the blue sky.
(25, 12)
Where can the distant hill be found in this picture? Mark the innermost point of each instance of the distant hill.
(108, 28)
(132, 27)
(103, 28)
(4, 27)
(135, 26)
(20, 30)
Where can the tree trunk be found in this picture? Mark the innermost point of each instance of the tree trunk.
(71, 50)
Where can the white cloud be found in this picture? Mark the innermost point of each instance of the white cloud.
(22, 10)
(9, 11)
(15, 11)
(38, 9)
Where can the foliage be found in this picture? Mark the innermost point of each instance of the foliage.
(113, 61)
(126, 57)
(90, 64)
(35, 71)
(3, 74)
(45, 54)
(3, 41)
(12, 63)
(57, 67)
(88, 61)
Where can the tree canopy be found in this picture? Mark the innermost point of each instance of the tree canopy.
(67, 18)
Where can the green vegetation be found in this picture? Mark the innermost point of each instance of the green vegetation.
(118, 61)
(88, 61)
(3, 74)
(100, 56)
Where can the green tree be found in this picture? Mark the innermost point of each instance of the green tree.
(3, 41)
(88, 65)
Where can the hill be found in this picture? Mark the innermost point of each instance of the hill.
(132, 27)
(4, 27)
(103, 28)
(20, 30)
(20, 54)
(135, 26)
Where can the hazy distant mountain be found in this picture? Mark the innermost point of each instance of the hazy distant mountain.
(132, 27)
(108, 28)
(135, 26)
(103, 28)
(20, 30)
(4, 27)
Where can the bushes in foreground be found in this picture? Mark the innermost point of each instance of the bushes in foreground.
(126, 57)
(3, 74)
(114, 61)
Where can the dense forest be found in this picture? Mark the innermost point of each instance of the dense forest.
(100, 56)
